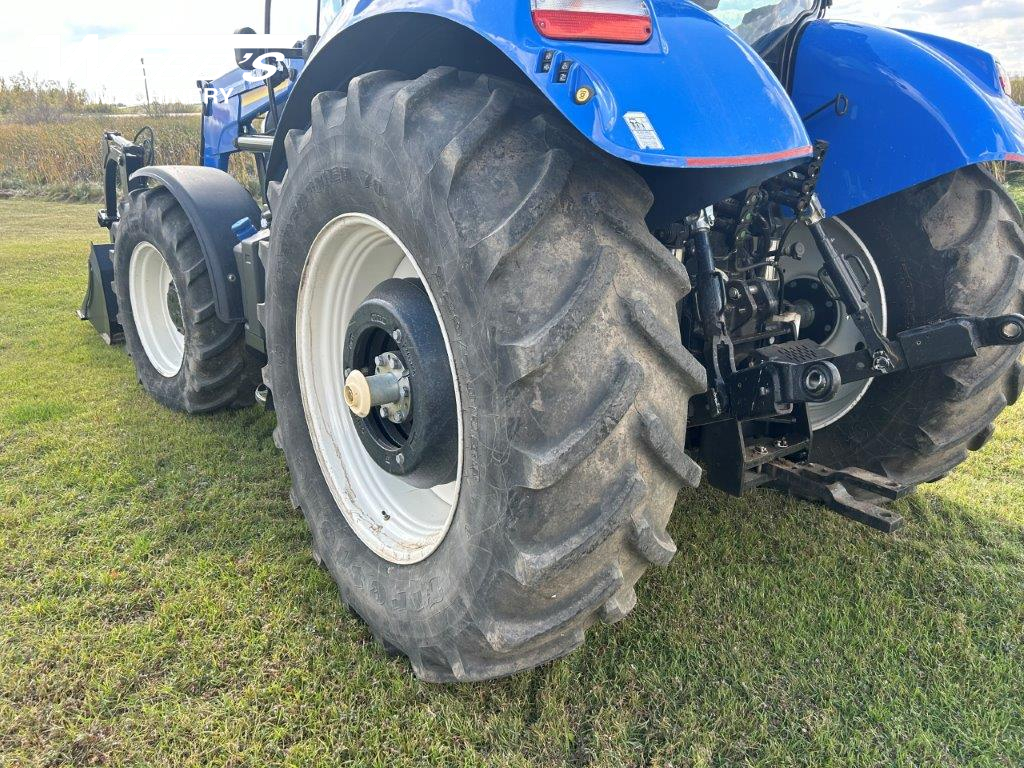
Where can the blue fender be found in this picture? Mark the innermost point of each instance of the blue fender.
(916, 107)
(710, 99)
(212, 201)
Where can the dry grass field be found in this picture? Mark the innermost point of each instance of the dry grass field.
(61, 160)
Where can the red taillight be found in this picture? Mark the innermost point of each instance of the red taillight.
(1004, 80)
(605, 21)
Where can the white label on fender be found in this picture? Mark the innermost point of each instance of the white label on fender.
(642, 130)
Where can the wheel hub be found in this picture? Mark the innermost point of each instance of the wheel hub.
(174, 308)
(348, 260)
(823, 318)
(388, 389)
(818, 310)
(398, 385)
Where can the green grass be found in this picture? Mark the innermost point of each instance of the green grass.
(1017, 192)
(159, 606)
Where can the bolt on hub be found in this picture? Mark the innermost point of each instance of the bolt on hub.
(398, 386)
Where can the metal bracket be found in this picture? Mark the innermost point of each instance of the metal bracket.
(121, 159)
(100, 304)
(753, 422)
(835, 489)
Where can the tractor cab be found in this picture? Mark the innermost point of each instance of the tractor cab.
(753, 20)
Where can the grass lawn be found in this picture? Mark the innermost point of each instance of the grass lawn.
(1017, 192)
(159, 606)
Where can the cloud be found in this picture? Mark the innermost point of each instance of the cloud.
(181, 42)
(79, 31)
(994, 25)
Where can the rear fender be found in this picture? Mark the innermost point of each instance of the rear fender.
(710, 100)
(916, 107)
(212, 201)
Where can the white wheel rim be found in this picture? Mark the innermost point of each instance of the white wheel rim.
(845, 337)
(149, 283)
(349, 257)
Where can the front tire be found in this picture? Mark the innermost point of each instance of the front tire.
(560, 311)
(185, 357)
(952, 246)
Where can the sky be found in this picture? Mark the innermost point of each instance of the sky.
(98, 45)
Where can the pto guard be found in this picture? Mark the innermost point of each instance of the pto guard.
(693, 96)
(911, 108)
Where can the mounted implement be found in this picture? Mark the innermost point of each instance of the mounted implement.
(513, 281)
(121, 159)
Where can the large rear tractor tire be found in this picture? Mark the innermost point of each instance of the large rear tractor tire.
(185, 357)
(952, 246)
(468, 200)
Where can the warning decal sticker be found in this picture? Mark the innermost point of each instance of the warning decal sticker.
(642, 130)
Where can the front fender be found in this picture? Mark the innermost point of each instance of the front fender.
(212, 201)
(711, 101)
(918, 107)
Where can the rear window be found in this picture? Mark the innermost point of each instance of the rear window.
(753, 19)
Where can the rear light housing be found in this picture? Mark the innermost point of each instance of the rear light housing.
(602, 21)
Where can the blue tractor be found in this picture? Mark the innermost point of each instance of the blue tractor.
(520, 270)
